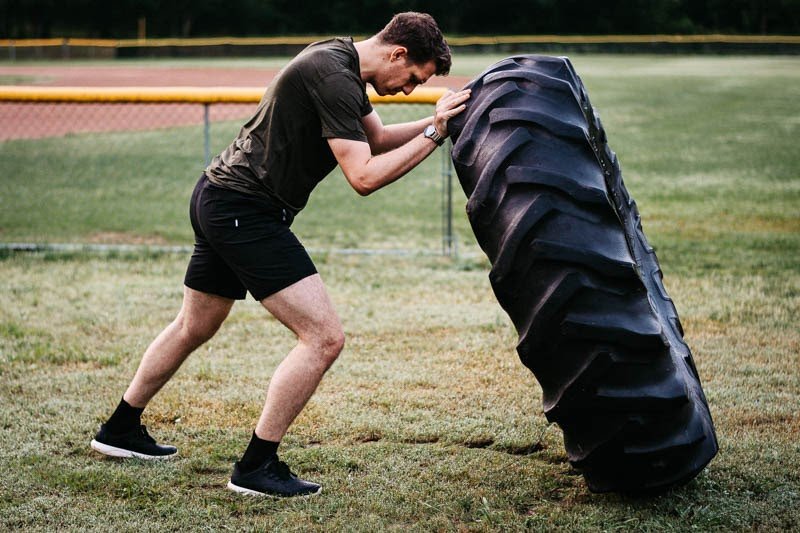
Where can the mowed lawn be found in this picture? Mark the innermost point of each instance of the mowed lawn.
(428, 421)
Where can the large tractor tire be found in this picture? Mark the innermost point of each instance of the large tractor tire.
(574, 271)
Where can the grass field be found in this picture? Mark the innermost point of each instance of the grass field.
(428, 421)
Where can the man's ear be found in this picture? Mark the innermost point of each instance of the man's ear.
(399, 53)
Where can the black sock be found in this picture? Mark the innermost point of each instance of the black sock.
(125, 418)
(257, 452)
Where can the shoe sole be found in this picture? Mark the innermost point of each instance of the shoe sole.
(113, 451)
(251, 492)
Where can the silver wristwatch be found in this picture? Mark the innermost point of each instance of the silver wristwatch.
(431, 133)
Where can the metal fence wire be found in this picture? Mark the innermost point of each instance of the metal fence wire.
(100, 173)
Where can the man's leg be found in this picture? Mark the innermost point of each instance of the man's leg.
(199, 318)
(306, 309)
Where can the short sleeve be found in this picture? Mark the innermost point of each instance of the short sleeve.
(340, 103)
(366, 108)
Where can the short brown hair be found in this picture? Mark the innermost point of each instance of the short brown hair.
(421, 36)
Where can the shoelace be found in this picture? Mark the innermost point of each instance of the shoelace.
(282, 470)
(146, 435)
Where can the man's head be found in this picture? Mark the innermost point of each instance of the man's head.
(421, 37)
(413, 50)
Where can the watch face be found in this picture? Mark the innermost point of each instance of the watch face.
(431, 133)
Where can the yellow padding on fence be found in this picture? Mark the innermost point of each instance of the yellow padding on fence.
(454, 41)
(179, 95)
(130, 43)
(626, 39)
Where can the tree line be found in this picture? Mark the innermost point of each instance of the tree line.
(208, 18)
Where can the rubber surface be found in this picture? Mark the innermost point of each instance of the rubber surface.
(574, 271)
(251, 492)
(113, 451)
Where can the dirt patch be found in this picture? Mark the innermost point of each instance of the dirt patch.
(35, 121)
(120, 237)
(130, 76)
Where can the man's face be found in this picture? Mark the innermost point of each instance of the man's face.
(401, 75)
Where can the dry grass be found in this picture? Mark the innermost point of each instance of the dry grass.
(428, 421)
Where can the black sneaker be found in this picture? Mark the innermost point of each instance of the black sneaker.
(273, 478)
(136, 443)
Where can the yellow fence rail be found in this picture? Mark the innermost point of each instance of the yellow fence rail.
(455, 41)
(179, 95)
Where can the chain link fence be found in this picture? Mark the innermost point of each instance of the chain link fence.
(89, 174)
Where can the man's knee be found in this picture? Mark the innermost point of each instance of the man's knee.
(196, 331)
(329, 344)
(201, 315)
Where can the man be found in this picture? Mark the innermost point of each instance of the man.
(313, 115)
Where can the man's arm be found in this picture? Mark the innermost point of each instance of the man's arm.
(367, 173)
(383, 138)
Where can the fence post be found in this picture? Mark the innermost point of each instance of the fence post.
(207, 134)
(449, 245)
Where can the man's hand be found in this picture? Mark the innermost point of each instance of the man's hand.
(448, 106)
(367, 172)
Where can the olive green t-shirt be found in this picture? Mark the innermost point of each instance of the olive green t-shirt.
(282, 151)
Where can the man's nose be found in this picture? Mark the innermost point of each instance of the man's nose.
(407, 88)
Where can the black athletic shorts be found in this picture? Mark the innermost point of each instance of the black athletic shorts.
(242, 243)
